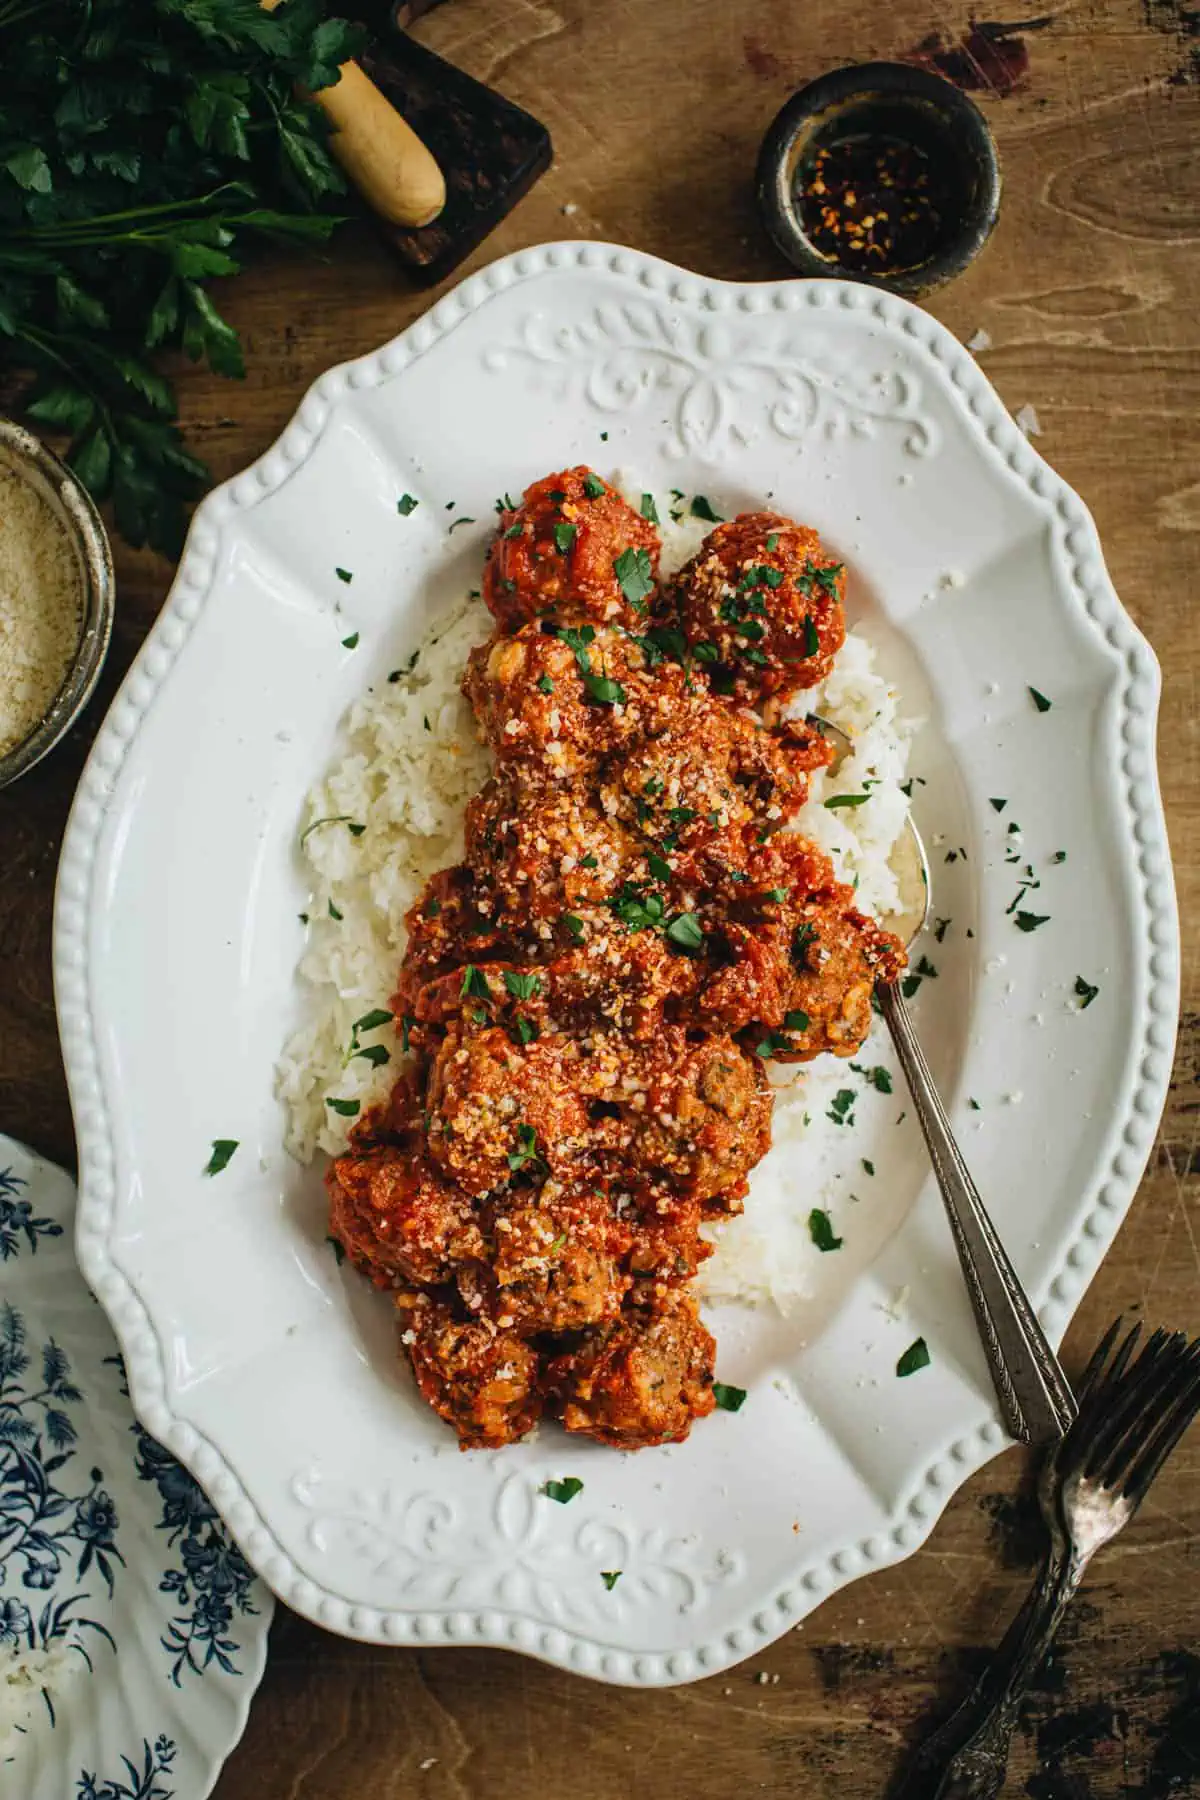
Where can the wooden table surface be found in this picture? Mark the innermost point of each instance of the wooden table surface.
(1089, 292)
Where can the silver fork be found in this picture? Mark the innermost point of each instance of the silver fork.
(1132, 1413)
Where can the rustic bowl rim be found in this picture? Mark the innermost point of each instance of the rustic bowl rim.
(76, 511)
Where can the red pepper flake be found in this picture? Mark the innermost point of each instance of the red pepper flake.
(873, 203)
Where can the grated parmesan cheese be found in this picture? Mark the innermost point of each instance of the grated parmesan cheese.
(41, 618)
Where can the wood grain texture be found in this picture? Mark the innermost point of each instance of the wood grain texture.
(1089, 291)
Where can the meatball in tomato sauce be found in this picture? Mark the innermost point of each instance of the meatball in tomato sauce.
(762, 599)
(573, 549)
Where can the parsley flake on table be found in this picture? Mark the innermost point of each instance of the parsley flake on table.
(1040, 700)
(702, 508)
(222, 1151)
(563, 1490)
(820, 1230)
(406, 505)
(729, 1399)
(1087, 992)
(914, 1358)
(633, 572)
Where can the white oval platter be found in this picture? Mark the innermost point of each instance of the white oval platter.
(270, 1372)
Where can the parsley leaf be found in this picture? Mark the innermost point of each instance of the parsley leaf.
(729, 1399)
(347, 1108)
(593, 487)
(610, 1578)
(339, 1252)
(998, 805)
(914, 1358)
(564, 537)
(563, 1490)
(222, 1151)
(605, 691)
(526, 1153)
(841, 1109)
(820, 1230)
(685, 932)
(344, 575)
(1027, 921)
(406, 505)
(649, 510)
(840, 800)
(351, 642)
(522, 987)
(1040, 700)
(1087, 992)
(702, 508)
(633, 572)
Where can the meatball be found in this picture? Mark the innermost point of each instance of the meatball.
(837, 954)
(640, 1381)
(763, 599)
(564, 703)
(574, 549)
(541, 848)
(480, 1380)
(398, 1218)
(555, 1261)
(498, 1110)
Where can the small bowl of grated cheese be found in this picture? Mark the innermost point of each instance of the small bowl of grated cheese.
(56, 599)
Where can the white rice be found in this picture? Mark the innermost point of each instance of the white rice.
(409, 763)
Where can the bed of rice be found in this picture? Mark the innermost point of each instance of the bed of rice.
(409, 762)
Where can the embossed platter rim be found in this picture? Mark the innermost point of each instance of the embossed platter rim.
(117, 1557)
(717, 382)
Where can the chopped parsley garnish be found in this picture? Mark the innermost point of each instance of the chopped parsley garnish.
(839, 800)
(610, 1578)
(772, 540)
(649, 510)
(406, 1024)
(373, 1020)
(222, 1150)
(1040, 700)
(702, 508)
(577, 638)
(796, 1020)
(563, 1490)
(589, 862)
(729, 1399)
(637, 909)
(506, 503)
(685, 932)
(475, 982)
(574, 926)
(351, 642)
(334, 913)
(776, 894)
(705, 652)
(914, 1358)
(303, 918)
(605, 691)
(344, 575)
(525, 1029)
(375, 1054)
(593, 487)
(1027, 921)
(998, 805)
(911, 982)
(974, 1105)
(338, 1248)
(660, 869)
(1060, 856)
(545, 684)
(346, 1108)
(522, 987)
(820, 1230)
(774, 1044)
(432, 908)
(868, 1165)
(812, 642)
(513, 531)
(632, 570)
(940, 928)
(557, 495)
(455, 523)
(681, 815)
(526, 1153)
(1087, 992)
(879, 1077)
(661, 642)
(841, 1109)
(354, 828)
(564, 537)
(406, 504)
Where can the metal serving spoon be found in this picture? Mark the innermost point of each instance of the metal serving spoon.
(1035, 1397)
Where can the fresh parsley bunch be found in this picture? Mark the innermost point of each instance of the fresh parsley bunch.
(144, 144)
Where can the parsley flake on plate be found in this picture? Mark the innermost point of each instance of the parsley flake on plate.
(351, 642)
(563, 1490)
(1027, 921)
(1087, 992)
(820, 1230)
(1040, 700)
(914, 1358)
(649, 510)
(352, 825)
(729, 1399)
(841, 1109)
(338, 1248)
(610, 1578)
(702, 508)
(346, 1108)
(222, 1151)
(406, 505)
(344, 575)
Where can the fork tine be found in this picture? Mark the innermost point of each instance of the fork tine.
(1150, 1390)
(1096, 1361)
(1183, 1410)
(1118, 1403)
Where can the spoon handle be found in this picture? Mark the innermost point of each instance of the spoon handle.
(1034, 1396)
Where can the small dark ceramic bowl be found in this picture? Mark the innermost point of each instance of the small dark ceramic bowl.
(897, 104)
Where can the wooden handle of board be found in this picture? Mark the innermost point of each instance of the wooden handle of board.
(380, 152)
